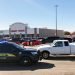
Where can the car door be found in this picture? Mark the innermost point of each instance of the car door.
(58, 48)
(66, 48)
(3, 54)
(11, 52)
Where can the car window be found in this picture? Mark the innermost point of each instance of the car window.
(66, 43)
(4, 48)
(59, 44)
(17, 46)
(1, 48)
(7, 48)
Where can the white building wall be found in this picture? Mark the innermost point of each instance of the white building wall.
(37, 30)
(30, 31)
(4, 32)
(18, 28)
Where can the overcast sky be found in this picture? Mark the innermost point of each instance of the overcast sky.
(38, 13)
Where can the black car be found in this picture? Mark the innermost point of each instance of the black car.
(11, 52)
(49, 39)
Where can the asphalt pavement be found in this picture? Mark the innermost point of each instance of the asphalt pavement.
(51, 66)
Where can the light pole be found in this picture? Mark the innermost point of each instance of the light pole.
(56, 6)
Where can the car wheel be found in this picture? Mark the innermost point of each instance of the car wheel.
(26, 61)
(45, 55)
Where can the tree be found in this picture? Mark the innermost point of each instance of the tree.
(67, 33)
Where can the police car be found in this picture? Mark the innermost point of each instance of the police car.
(12, 52)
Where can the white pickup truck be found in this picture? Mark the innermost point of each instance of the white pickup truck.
(58, 47)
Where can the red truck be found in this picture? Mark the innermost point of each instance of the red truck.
(31, 42)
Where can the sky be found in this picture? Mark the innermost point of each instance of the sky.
(38, 13)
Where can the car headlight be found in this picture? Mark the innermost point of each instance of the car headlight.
(34, 53)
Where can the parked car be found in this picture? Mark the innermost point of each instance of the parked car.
(31, 42)
(16, 40)
(69, 39)
(35, 42)
(58, 47)
(12, 52)
(26, 43)
(49, 39)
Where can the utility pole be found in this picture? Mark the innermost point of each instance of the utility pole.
(26, 31)
(56, 6)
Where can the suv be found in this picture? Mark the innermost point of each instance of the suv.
(12, 52)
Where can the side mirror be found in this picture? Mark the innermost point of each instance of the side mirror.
(54, 46)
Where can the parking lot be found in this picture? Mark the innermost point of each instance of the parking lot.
(51, 66)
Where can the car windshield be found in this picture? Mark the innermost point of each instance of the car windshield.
(18, 46)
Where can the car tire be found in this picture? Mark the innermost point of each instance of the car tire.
(26, 61)
(45, 55)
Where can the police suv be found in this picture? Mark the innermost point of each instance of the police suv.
(11, 52)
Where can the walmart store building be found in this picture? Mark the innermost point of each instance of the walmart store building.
(23, 30)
